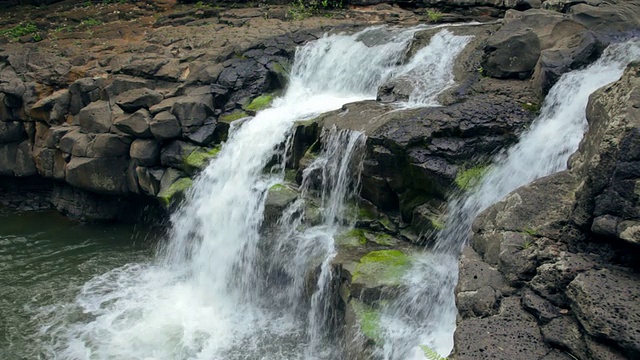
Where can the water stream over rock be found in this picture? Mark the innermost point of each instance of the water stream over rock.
(424, 316)
(225, 285)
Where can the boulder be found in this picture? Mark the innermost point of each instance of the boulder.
(109, 146)
(192, 111)
(134, 100)
(11, 131)
(512, 52)
(136, 124)
(165, 126)
(75, 143)
(96, 117)
(100, 175)
(175, 153)
(149, 180)
(24, 163)
(8, 154)
(53, 108)
(145, 152)
(83, 92)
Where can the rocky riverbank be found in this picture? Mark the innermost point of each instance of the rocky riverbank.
(109, 110)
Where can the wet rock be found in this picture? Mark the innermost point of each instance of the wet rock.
(174, 154)
(145, 152)
(618, 16)
(278, 199)
(134, 100)
(96, 117)
(165, 126)
(398, 89)
(136, 124)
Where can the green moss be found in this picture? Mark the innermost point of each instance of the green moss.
(290, 175)
(436, 223)
(466, 179)
(178, 187)
(20, 30)
(383, 239)
(383, 266)
(236, 115)
(353, 237)
(369, 320)
(529, 231)
(259, 103)
(200, 157)
(277, 187)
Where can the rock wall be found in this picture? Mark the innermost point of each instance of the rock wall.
(551, 270)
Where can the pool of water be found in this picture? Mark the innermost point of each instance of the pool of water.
(45, 259)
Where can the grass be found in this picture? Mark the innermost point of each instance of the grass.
(90, 22)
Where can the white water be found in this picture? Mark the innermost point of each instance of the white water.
(209, 294)
(426, 314)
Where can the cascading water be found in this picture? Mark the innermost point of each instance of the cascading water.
(208, 295)
(426, 314)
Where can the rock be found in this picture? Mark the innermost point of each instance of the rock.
(563, 332)
(174, 154)
(8, 158)
(172, 194)
(100, 175)
(610, 18)
(145, 152)
(603, 301)
(278, 199)
(136, 124)
(75, 143)
(24, 163)
(192, 111)
(164, 105)
(540, 308)
(96, 117)
(205, 133)
(108, 146)
(83, 92)
(512, 52)
(134, 100)
(551, 279)
(573, 53)
(123, 83)
(53, 108)
(165, 126)
(11, 131)
(149, 180)
(398, 89)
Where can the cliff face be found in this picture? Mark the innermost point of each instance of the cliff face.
(552, 267)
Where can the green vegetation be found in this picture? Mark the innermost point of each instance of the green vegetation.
(385, 266)
(236, 115)
(436, 223)
(434, 15)
(21, 30)
(259, 103)
(90, 22)
(200, 157)
(178, 187)
(529, 231)
(467, 179)
(302, 9)
(369, 320)
(430, 353)
(277, 187)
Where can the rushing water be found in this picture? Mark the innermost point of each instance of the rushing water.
(426, 314)
(223, 286)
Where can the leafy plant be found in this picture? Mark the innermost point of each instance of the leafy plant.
(20, 30)
(431, 354)
(434, 15)
(91, 22)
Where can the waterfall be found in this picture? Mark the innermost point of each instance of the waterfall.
(212, 292)
(426, 314)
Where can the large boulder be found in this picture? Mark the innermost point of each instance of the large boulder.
(100, 175)
(512, 52)
(96, 117)
(145, 152)
(165, 126)
(136, 99)
(136, 124)
(192, 111)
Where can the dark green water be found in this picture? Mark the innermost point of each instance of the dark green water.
(45, 259)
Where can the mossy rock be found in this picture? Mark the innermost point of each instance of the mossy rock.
(179, 187)
(231, 117)
(467, 179)
(382, 267)
(259, 103)
(200, 157)
(368, 320)
(359, 237)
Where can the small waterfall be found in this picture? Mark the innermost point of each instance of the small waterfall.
(212, 293)
(426, 314)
